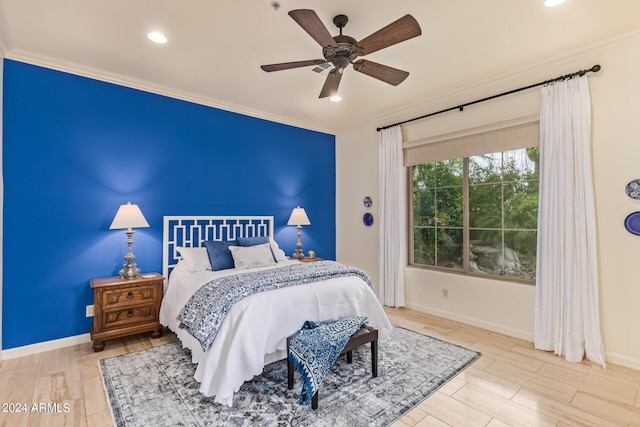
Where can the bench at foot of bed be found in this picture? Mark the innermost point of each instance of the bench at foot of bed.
(366, 334)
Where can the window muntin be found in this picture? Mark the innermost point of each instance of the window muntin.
(477, 214)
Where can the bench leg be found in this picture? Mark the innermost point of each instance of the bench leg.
(290, 374)
(349, 356)
(290, 368)
(374, 358)
(314, 401)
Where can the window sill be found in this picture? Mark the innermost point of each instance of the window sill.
(485, 276)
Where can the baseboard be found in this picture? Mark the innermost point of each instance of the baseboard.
(30, 349)
(516, 333)
(612, 358)
(625, 361)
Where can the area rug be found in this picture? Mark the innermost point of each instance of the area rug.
(155, 387)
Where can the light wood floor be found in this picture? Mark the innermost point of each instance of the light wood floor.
(511, 384)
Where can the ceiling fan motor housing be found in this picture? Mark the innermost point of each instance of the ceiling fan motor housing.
(346, 52)
(343, 54)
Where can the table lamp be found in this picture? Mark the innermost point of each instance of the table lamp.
(298, 218)
(128, 217)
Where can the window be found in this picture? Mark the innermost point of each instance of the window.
(477, 214)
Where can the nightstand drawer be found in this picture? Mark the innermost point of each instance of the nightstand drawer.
(114, 319)
(113, 298)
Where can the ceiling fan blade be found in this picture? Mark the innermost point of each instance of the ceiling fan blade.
(289, 65)
(390, 75)
(310, 22)
(398, 31)
(331, 84)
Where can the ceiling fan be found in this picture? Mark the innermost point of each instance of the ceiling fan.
(341, 50)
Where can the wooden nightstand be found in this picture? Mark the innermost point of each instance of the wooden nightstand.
(125, 307)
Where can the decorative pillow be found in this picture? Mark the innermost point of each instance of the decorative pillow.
(252, 256)
(257, 240)
(278, 253)
(219, 255)
(197, 259)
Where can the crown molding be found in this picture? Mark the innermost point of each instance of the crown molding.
(589, 53)
(568, 58)
(122, 80)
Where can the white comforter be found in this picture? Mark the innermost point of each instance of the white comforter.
(255, 330)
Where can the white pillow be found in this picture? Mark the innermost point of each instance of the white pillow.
(197, 259)
(252, 256)
(277, 252)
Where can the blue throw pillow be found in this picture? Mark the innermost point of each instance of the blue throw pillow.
(219, 254)
(256, 240)
(252, 241)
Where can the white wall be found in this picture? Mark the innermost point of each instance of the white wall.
(357, 177)
(497, 305)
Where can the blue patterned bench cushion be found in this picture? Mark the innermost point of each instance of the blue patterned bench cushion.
(316, 347)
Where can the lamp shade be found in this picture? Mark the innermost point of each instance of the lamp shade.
(298, 217)
(129, 216)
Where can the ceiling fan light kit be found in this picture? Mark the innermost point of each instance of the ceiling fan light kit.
(341, 50)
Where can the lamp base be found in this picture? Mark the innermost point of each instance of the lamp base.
(298, 254)
(129, 271)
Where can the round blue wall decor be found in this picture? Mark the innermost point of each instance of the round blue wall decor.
(632, 223)
(367, 219)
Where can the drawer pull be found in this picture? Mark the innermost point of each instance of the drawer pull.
(130, 294)
(129, 313)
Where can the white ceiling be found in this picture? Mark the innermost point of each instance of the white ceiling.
(215, 49)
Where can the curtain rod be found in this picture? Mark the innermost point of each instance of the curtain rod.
(580, 73)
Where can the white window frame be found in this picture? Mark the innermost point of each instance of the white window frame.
(513, 134)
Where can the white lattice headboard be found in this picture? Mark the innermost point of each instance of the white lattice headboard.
(192, 231)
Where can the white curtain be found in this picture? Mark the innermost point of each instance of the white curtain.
(567, 319)
(392, 229)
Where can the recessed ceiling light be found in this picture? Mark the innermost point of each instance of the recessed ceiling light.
(551, 3)
(335, 98)
(157, 37)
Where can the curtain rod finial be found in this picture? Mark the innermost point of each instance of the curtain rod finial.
(596, 68)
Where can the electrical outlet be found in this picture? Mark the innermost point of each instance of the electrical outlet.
(89, 311)
(445, 293)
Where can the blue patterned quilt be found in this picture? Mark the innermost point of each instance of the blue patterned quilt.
(316, 347)
(205, 311)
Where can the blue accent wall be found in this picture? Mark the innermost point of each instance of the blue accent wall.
(74, 149)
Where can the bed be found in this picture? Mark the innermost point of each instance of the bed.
(254, 330)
